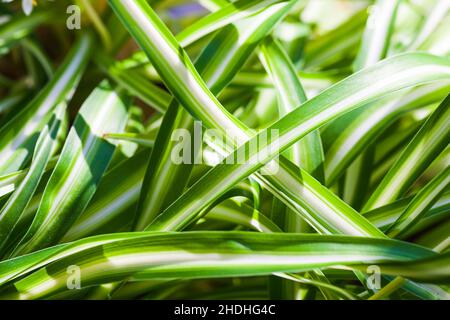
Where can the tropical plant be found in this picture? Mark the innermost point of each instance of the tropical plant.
(339, 109)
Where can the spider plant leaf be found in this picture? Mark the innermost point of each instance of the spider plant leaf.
(438, 267)
(16, 204)
(228, 14)
(375, 73)
(332, 46)
(12, 101)
(430, 141)
(424, 200)
(312, 81)
(326, 213)
(146, 256)
(377, 34)
(385, 216)
(323, 285)
(20, 133)
(242, 214)
(9, 182)
(151, 33)
(19, 28)
(357, 178)
(167, 55)
(161, 170)
(84, 159)
(140, 139)
(374, 47)
(42, 257)
(213, 115)
(135, 83)
(308, 152)
(217, 65)
(437, 14)
(345, 96)
(118, 191)
(369, 125)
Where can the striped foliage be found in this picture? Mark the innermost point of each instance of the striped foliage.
(313, 141)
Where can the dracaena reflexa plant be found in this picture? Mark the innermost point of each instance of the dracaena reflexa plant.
(122, 123)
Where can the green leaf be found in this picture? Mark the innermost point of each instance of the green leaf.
(367, 126)
(205, 254)
(430, 141)
(383, 217)
(347, 95)
(418, 206)
(20, 133)
(218, 64)
(227, 14)
(307, 153)
(116, 196)
(83, 160)
(377, 34)
(16, 204)
(19, 28)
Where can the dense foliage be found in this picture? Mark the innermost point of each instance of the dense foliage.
(121, 123)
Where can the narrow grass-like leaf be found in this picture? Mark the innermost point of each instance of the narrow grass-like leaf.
(156, 255)
(349, 94)
(20, 133)
(429, 142)
(83, 161)
(370, 124)
(117, 194)
(213, 115)
(255, 62)
(19, 28)
(9, 182)
(383, 217)
(438, 13)
(152, 29)
(218, 64)
(135, 83)
(242, 214)
(226, 15)
(334, 45)
(132, 137)
(374, 47)
(377, 33)
(420, 204)
(307, 153)
(16, 204)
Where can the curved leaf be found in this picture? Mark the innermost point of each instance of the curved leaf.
(83, 161)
